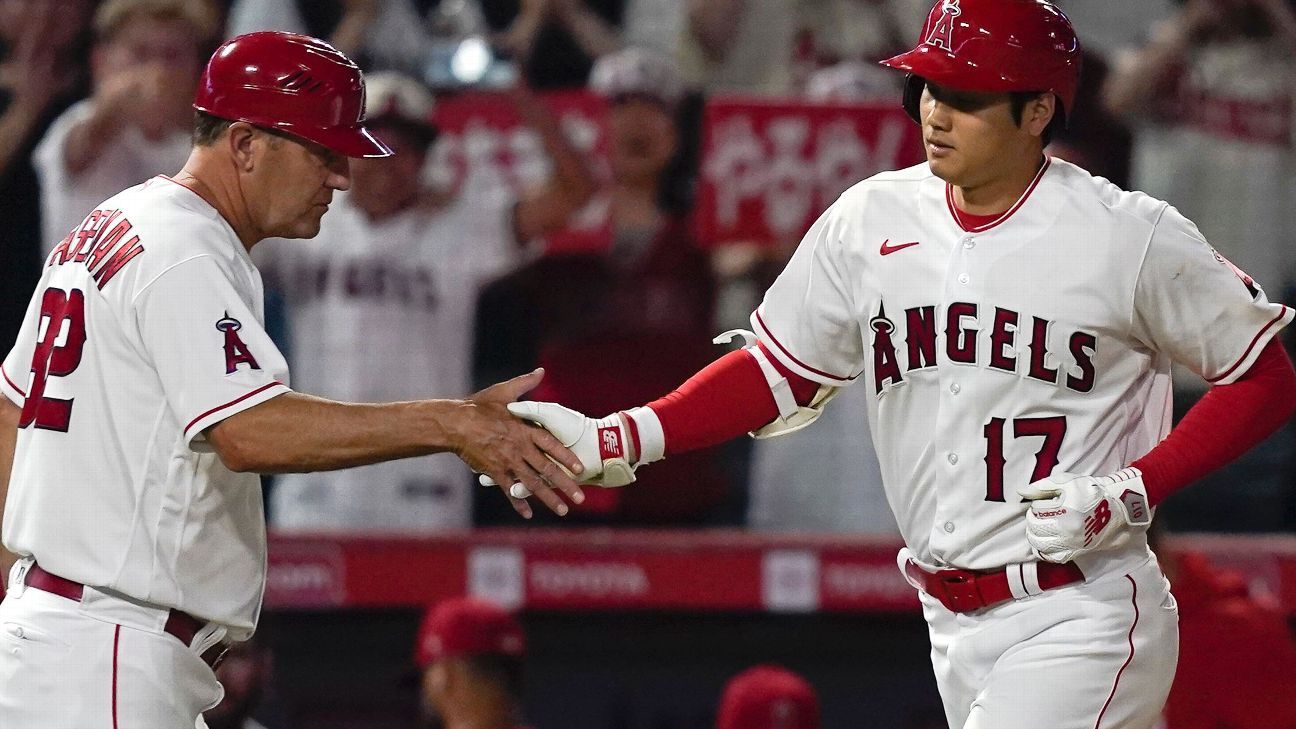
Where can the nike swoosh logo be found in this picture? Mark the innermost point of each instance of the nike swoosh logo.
(888, 249)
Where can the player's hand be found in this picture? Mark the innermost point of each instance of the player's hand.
(1074, 515)
(508, 450)
(605, 446)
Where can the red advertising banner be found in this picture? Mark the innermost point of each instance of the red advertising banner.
(698, 570)
(769, 168)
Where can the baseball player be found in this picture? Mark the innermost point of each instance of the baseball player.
(470, 653)
(1013, 320)
(145, 395)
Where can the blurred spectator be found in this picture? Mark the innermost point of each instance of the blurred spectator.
(145, 64)
(1237, 658)
(1107, 27)
(41, 52)
(379, 34)
(858, 30)
(826, 478)
(380, 305)
(417, 37)
(852, 82)
(768, 697)
(745, 46)
(1214, 88)
(1093, 138)
(653, 25)
(558, 41)
(244, 673)
(645, 287)
(471, 654)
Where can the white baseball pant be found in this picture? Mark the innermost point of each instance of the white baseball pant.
(1094, 655)
(102, 663)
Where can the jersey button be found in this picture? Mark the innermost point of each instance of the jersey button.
(953, 459)
(969, 243)
(963, 278)
(949, 527)
(955, 388)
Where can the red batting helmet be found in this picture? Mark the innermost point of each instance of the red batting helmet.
(994, 45)
(293, 83)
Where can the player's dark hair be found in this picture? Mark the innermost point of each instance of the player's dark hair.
(503, 671)
(207, 128)
(1018, 101)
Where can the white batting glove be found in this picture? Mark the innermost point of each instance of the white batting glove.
(1073, 515)
(604, 446)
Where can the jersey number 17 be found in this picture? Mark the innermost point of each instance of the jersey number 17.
(1051, 429)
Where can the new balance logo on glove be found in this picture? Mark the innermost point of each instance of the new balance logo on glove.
(610, 443)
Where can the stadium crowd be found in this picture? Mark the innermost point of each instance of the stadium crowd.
(543, 209)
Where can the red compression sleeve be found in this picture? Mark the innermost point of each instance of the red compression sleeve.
(727, 398)
(1224, 424)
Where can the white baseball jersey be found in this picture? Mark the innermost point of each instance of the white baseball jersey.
(383, 311)
(129, 160)
(145, 329)
(994, 355)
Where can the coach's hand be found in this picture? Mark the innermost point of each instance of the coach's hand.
(498, 445)
(1073, 515)
(605, 446)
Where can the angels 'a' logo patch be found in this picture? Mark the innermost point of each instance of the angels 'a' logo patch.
(236, 352)
(1252, 287)
(942, 33)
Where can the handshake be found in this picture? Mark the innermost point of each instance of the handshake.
(608, 448)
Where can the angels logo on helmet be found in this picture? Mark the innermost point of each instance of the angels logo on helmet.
(942, 34)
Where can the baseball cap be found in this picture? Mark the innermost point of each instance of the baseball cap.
(637, 72)
(850, 81)
(464, 626)
(768, 696)
(393, 96)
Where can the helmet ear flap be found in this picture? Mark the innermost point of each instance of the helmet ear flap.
(913, 89)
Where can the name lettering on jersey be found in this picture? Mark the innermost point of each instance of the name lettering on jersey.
(942, 34)
(365, 280)
(100, 244)
(1012, 346)
(236, 352)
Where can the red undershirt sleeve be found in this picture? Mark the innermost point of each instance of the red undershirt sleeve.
(725, 399)
(1227, 422)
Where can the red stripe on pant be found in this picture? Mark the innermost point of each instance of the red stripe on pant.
(116, 642)
(1130, 659)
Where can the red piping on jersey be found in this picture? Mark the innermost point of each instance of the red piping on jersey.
(761, 320)
(116, 641)
(1130, 659)
(231, 403)
(1250, 346)
(949, 201)
(11, 382)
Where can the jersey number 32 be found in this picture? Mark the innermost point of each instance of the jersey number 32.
(58, 354)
